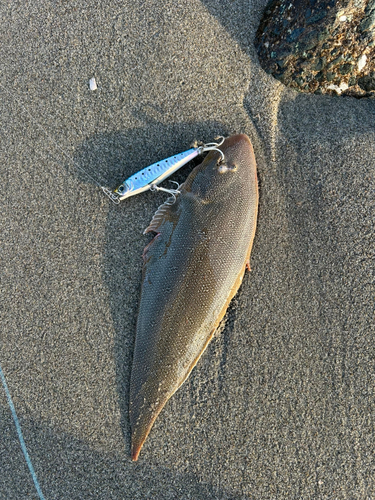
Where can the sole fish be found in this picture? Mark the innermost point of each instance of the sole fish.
(192, 269)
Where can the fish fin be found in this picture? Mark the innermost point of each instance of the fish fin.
(145, 250)
(248, 265)
(162, 213)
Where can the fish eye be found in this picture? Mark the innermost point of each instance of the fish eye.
(120, 189)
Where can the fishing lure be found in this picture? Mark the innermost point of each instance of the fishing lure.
(149, 177)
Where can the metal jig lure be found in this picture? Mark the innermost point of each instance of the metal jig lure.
(151, 176)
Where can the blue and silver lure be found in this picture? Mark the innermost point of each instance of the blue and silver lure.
(151, 176)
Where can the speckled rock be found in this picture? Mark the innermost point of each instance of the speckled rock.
(320, 46)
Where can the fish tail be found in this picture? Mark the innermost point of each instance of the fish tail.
(142, 425)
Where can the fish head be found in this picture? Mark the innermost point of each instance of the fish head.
(216, 178)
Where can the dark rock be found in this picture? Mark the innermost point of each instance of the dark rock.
(335, 62)
(300, 81)
(295, 34)
(320, 44)
(346, 68)
(367, 82)
(317, 65)
(368, 21)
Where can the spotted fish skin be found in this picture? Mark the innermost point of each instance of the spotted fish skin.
(192, 269)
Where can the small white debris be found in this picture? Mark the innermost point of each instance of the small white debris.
(343, 18)
(334, 87)
(93, 85)
(362, 62)
(343, 86)
(266, 44)
(339, 89)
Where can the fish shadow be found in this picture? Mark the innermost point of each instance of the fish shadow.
(114, 157)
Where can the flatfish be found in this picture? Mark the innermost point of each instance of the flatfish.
(193, 267)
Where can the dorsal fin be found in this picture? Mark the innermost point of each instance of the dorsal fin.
(162, 213)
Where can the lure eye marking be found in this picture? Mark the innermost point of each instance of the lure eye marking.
(123, 189)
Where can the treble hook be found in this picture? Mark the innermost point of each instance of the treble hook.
(172, 192)
(214, 146)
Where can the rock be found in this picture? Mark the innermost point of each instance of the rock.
(320, 46)
(367, 82)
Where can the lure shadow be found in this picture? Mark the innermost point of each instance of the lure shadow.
(116, 156)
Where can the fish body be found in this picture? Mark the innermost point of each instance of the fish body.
(192, 269)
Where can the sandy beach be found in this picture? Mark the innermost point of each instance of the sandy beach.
(282, 404)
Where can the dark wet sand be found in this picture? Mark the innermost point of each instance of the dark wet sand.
(281, 406)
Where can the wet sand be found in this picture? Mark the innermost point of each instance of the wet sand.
(282, 403)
